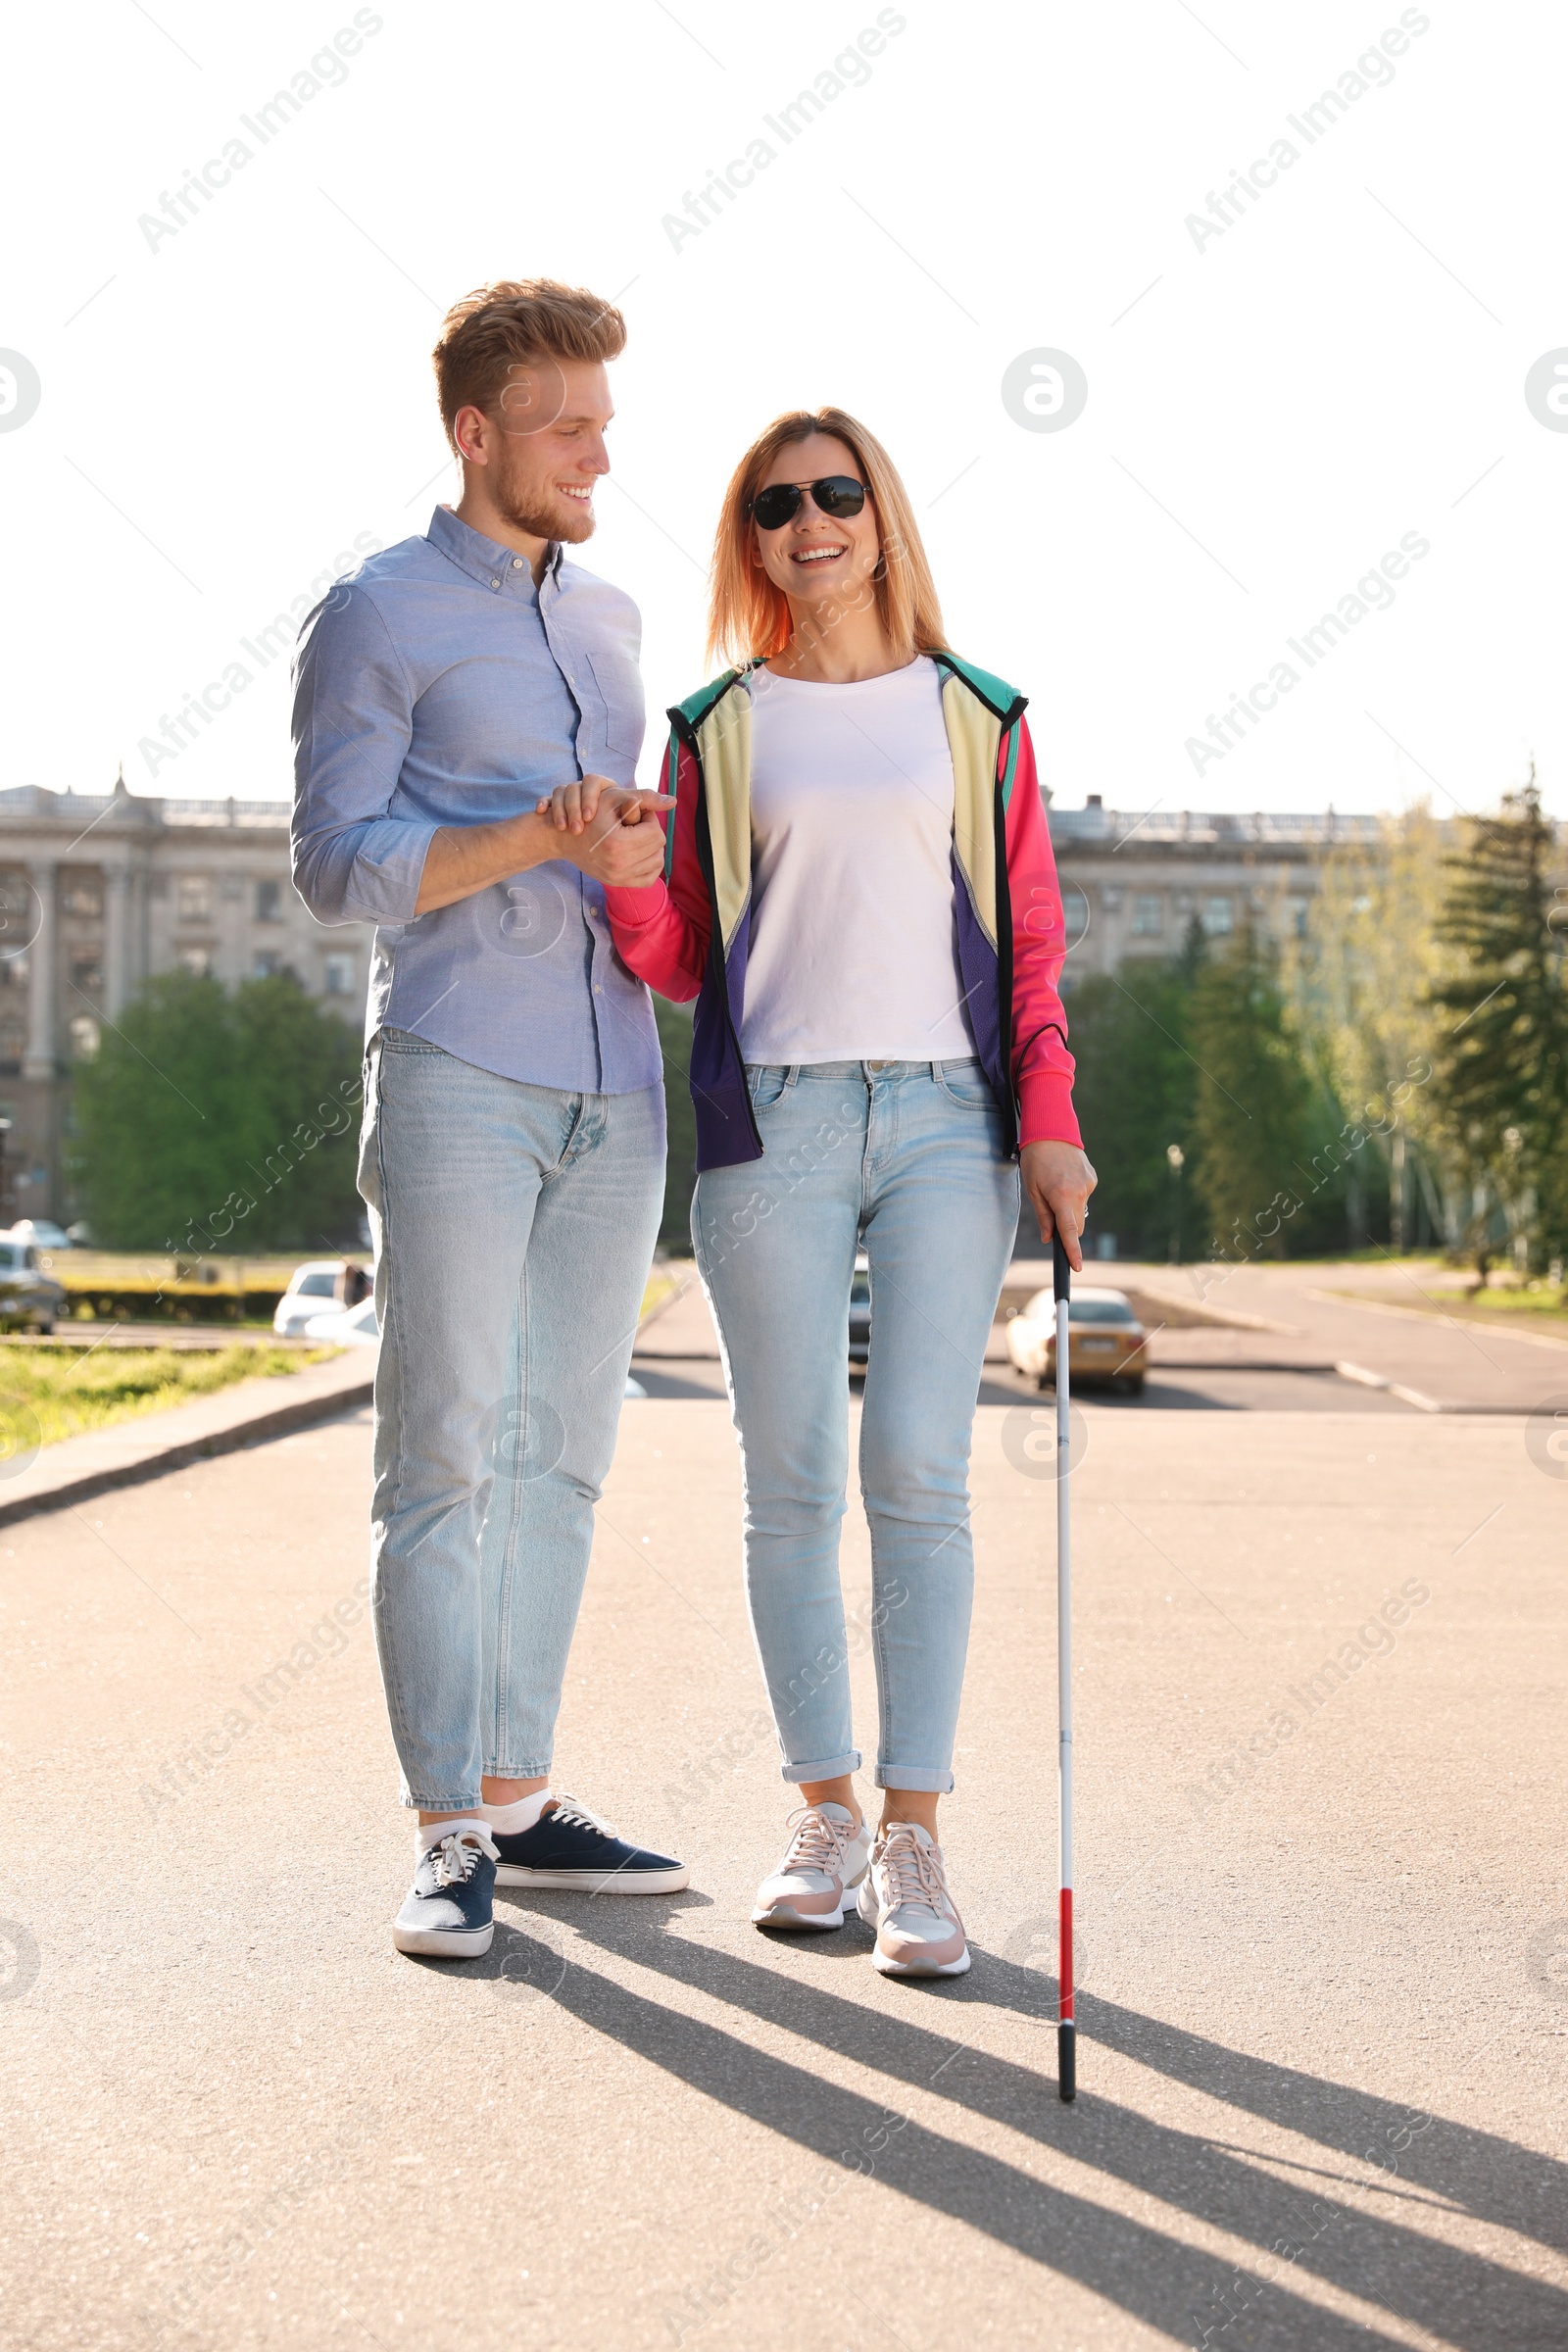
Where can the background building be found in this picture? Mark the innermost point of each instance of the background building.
(1132, 884)
(97, 894)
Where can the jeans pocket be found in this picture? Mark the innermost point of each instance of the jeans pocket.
(404, 1041)
(766, 1082)
(966, 1083)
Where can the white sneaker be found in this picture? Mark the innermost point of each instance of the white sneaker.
(905, 1897)
(824, 1861)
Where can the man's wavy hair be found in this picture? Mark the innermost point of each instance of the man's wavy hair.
(748, 618)
(515, 323)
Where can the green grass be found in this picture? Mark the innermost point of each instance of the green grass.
(1543, 1301)
(47, 1394)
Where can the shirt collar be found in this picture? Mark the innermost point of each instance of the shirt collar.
(485, 559)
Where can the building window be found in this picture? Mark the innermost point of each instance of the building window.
(1149, 915)
(195, 900)
(268, 966)
(269, 902)
(81, 894)
(1075, 911)
(1218, 917)
(87, 978)
(13, 1043)
(197, 961)
(85, 1037)
(1296, 916)
(340, 975)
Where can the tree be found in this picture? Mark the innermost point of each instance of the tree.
(680, 1174)
(1134, 1094)
(1503, 1063)
(217, 1122)
(1359, 985)
(1252, 1115)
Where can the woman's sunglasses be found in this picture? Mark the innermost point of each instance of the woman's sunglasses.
(836, 494)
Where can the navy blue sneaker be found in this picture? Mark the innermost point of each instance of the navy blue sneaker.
(448, 1908)
(569, 1847)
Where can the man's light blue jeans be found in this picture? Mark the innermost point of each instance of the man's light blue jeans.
(513, 1229)
(905, 1158)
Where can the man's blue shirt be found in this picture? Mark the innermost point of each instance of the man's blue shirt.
(435, 687)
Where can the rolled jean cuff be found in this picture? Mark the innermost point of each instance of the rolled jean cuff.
(443, 1804)
(517, 1772)
(836, 1768)
(922, 1777)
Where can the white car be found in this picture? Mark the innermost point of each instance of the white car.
(346, 1326)
(311, 1289)
(40, 1232)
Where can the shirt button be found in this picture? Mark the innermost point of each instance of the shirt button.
(517, 563)
(495, 583)
(598, 990)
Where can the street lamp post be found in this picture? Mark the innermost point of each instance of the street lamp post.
(1177, 1160)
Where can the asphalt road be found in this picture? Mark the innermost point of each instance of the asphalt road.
(1213, 1348)
(1321, 1887)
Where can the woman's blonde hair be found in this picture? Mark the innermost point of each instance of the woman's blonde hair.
(748, 618)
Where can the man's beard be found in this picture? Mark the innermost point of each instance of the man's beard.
(525, 507)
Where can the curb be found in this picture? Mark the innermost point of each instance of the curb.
(79, 1480)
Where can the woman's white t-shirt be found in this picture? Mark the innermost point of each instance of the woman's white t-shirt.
(853, 953)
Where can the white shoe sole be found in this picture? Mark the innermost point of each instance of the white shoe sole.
(445, 1943)
(902, 1968)
(780, 1914)
(582, 1882)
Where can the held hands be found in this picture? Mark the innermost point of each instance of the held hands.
(1058, 1181)
(604, 833)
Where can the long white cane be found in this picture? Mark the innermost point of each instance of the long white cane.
(1067, 2031)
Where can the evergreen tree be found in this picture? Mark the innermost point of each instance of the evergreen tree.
(1502, 1060)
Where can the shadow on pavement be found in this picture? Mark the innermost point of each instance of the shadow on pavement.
(1460, 2296)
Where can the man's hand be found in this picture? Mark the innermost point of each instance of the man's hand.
(1059, 1180)
(573, 808)
(624, 854)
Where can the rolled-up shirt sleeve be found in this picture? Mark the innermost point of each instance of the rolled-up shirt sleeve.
(353, 862)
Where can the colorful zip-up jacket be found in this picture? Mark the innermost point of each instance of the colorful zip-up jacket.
(687, 935)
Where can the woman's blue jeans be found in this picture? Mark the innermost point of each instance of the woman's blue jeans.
(905, 1159)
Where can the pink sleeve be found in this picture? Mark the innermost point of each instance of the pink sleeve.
(1042, 1066)
(661, 932)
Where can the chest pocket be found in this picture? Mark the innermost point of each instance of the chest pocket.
(620, 684)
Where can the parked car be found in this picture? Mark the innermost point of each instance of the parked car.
(27, 1296)
(861, 1315)
(345, 1326)
(41, 1232)
(311, 1289)
(1105, 1338)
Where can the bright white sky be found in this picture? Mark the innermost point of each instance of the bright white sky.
(1266, 416)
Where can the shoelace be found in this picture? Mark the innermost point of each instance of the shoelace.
(816, 1843)
(567, 1809)
(913, 1871)
(452, 1861)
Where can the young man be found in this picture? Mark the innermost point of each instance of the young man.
(514, 1145)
